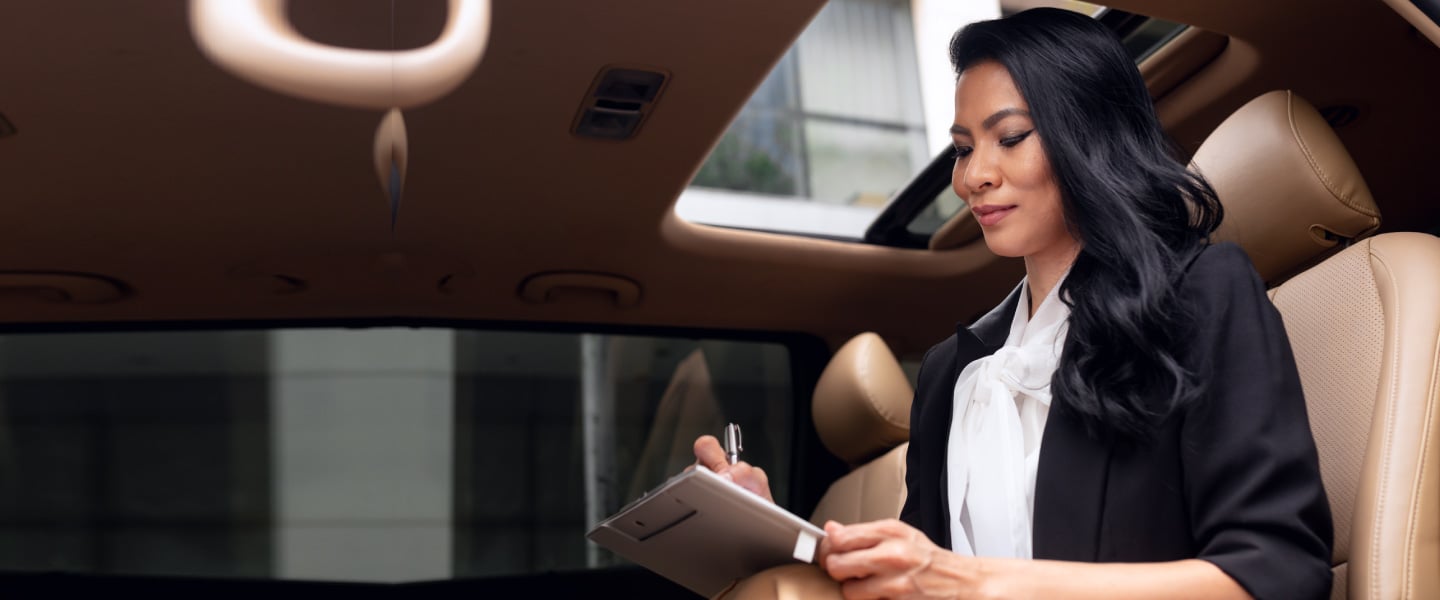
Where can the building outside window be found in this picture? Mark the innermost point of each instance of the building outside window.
(854, 110)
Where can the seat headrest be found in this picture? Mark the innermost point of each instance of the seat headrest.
(1289, 188)
(861, 406)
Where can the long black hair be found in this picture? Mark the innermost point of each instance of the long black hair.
(1138, 213)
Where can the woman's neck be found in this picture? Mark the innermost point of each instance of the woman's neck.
(1043, 270)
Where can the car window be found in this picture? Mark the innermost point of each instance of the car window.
(853, 112)
(383, 454)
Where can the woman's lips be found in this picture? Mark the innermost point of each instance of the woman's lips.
(990, 215)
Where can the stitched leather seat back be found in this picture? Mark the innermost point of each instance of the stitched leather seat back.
(873, 491)
(1364, 326)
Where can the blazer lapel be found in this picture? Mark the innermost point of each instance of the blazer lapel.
(1070, 484)
(979, 340)
(990, 330)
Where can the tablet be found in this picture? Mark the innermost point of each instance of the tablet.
(703, 531)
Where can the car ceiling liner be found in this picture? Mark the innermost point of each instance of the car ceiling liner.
(255, 41)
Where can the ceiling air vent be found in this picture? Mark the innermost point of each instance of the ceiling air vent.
(619, 101)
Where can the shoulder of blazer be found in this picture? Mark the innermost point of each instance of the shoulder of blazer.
(1217, 275)
(936, 365)
(1225, 261)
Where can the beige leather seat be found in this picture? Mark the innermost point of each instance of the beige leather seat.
(861, 410)
(1364, 322)
(1365, 328)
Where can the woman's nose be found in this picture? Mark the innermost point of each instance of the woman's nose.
(980, 173)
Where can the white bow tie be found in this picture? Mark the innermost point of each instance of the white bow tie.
(1001, 405)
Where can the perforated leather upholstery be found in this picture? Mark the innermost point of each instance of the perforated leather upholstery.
(1365, 327)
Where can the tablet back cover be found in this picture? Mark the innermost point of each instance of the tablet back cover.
(703, 532)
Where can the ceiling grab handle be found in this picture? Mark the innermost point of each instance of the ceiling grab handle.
(254, 40)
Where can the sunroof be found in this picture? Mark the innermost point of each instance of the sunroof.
(849, 116)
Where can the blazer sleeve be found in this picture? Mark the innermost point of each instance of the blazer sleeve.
(1251, 472)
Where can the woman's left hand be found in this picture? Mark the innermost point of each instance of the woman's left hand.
(891, 559)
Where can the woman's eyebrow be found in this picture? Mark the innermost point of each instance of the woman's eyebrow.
(990, 121)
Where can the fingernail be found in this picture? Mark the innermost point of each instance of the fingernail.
(727, 475)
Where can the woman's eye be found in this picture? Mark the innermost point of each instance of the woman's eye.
(1015, 139)
(963, 151)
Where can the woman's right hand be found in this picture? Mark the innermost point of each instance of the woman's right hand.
(710, 455)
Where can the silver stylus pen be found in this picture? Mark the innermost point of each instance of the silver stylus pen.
(732, 443)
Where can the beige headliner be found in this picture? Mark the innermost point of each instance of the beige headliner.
(140, 161)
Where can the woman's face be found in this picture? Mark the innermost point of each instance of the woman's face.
(1001, 170)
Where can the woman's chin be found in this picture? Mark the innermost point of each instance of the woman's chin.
(1002, 247)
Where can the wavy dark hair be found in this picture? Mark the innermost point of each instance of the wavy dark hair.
(1140, 216)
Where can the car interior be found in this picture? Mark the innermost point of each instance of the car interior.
(418, 338)
(1370, 404)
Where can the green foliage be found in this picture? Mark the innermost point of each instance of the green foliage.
(737, 164)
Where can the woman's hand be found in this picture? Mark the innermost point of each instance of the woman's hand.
(890, 559)
(709, 454)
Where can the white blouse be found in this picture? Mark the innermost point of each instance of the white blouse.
(1001, 404)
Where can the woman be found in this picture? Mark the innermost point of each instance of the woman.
(1132, 412)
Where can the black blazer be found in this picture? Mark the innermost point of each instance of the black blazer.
(1234, 479)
